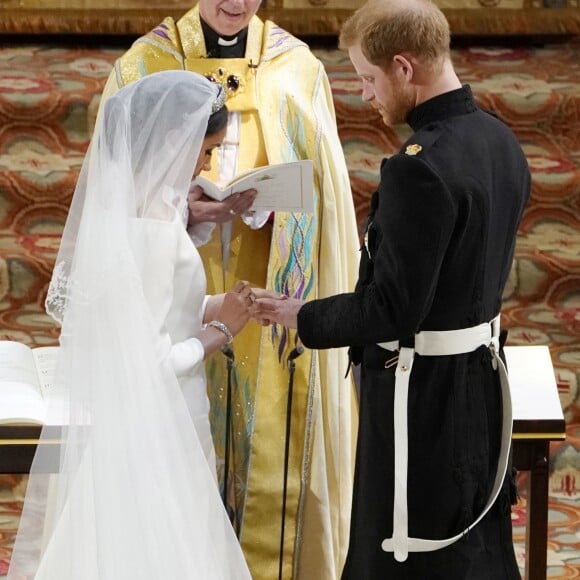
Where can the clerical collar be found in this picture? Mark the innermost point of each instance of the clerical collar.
(225, 42)
(224, 46)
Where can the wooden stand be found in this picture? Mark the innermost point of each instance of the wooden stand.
(538, 419)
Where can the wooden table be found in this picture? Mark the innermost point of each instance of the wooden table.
(538, 419)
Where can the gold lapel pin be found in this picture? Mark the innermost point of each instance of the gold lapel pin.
(413, 149)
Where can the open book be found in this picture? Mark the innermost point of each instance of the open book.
(27, 392)
(282, 187)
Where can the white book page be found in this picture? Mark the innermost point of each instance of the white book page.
(45, 362)
(20, 404)
(21, 399)
(210, 188)
(286, 187)
(282, 187)
(55, 396)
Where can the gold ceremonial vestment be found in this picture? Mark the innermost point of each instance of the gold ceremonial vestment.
(287, 113)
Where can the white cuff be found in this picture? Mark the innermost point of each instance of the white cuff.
(201, 233)
(186, 355)
(255, 219)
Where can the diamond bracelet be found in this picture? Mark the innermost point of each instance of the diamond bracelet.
(223, 328)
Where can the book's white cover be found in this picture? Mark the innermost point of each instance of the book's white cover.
(283, 187)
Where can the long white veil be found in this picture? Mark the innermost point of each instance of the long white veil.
(131, 496)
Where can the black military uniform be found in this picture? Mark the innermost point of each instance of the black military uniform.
(437, 254)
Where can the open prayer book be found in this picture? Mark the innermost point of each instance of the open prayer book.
(282, 187)
(27, 392)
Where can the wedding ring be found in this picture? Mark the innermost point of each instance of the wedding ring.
(232, 212)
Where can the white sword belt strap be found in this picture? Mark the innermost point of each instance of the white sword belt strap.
(439, 343)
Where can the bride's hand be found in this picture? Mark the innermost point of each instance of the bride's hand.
(236, 307)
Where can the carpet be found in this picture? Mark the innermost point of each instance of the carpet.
(46, 95)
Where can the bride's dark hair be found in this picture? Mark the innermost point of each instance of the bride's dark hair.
(217, 121)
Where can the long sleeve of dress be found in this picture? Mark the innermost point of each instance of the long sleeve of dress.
(186, 356)
(153, 244)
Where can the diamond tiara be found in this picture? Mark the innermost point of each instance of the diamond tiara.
(220, 99)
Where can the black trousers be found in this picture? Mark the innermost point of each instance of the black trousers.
(454, 417)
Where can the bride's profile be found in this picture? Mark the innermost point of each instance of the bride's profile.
(133, 494)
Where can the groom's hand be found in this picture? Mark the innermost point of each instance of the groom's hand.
(282, 311)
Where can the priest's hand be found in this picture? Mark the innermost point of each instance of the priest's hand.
(282, 311)
(204, 209)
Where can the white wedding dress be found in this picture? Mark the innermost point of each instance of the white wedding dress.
(176, 295)
(133, 495)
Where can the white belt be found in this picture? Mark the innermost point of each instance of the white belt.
(437, 343)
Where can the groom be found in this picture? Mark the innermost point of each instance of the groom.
(424, 316)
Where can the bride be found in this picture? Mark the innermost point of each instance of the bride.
(135, 496)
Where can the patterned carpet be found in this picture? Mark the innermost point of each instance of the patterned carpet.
(47, 91)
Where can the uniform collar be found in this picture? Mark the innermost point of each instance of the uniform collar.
(450, 104)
